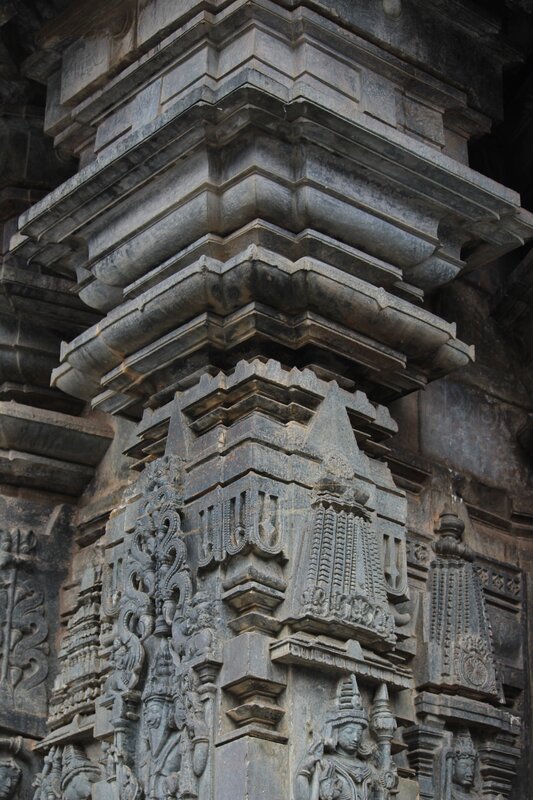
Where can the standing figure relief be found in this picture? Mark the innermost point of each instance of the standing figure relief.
(342, 764)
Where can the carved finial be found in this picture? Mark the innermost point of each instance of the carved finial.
(450, 532)
(381, 705)
(383, 722)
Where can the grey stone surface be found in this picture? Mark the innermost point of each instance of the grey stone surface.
(257, 539)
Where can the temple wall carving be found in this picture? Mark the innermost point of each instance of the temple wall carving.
(265, 407)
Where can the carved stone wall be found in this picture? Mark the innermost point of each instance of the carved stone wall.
(266, 494)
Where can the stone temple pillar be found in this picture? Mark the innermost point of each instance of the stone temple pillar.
(266, 194)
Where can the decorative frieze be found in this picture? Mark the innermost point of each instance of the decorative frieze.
(332, 657)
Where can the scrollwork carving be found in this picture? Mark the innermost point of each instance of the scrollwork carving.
(23, 626)
(163, 657)
(157, 579)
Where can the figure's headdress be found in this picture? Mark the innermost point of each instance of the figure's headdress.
(159, 683)
(11, 766)
(349, 705)
(463, 746)
(75, 762)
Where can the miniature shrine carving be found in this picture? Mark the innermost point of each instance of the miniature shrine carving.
(460, 638)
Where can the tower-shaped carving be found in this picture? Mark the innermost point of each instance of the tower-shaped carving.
(342, 578)
(460, 653)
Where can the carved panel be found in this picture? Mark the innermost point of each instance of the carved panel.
(344, 576)
(351, 757)
(460, 638)
(77, 685)
(165, 656)
(23, 626)
(244, 516)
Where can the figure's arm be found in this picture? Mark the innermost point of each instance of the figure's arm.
(306, 784)
(200, 755)
(302, 789)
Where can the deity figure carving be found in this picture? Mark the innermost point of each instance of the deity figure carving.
(460, 762)
(193, 629)
(47, 783)
(341, 765)
(77, 775)
(124, 784)
(10, 774)
(68, 774)
(175, 740)
(160, 753)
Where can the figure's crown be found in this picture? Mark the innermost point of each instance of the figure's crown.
(160, 677)
(349, 704)
(463, 745)
(75, 761)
